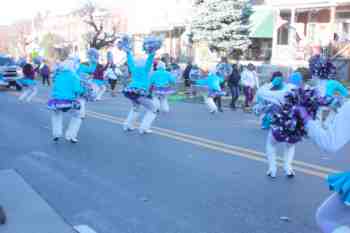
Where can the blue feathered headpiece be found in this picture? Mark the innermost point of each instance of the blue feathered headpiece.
(321, 67)
(124, 43)
(151, 44)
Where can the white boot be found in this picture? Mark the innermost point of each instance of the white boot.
(164, 105)
(57, 124)
(32, 93)
(129, 124)
(271, 156)
(73, 129)
(102, 89)
(82, 111)
(289, 153)
(211, 105)
(26, 92)
(147, 121)
(342, 229)
(157, 103)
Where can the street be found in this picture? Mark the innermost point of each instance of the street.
(197, 173)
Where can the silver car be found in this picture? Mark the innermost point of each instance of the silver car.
(10, 72)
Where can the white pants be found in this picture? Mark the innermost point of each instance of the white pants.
(101, 90)
(271, 152)
(28, 93)
(73, 128)
(161, 103)
(82, 111)
(134, 113)
(211, 104)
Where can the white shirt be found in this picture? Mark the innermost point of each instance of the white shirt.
(337, 133)
(250, 79)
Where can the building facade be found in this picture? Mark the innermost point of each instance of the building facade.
(302, 26)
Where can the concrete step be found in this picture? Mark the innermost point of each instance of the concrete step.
(26, 211)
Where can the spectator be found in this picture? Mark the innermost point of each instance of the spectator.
(250, 82)
(45, 73)
(233, 83)
(186, 75)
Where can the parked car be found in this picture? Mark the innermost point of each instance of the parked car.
(10, 72)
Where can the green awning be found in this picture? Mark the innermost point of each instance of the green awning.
(262, 23)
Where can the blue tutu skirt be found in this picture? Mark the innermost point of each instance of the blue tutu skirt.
(99, 82)
(63, 105)
(214, 94)
(134, 94)
(340, 183)
(163, 90)
(27, 82)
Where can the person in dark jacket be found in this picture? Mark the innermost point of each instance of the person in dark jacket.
(233, 83)
(45, 74)
(186, 75)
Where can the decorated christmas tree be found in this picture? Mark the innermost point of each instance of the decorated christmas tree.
(224, 24)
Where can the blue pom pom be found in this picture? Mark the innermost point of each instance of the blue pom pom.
(151, 44)
(224, 69)
(124, 43)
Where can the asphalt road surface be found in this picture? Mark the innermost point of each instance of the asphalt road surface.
(197, 173)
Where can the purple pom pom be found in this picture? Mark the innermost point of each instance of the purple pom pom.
(287, 125)
(321, 67)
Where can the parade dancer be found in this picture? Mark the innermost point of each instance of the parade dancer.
(28, 83)
(95, 71)
(161, 81)
(212, 82)
(333, 216)
(272, 95)
(65, 93)
(138, 91)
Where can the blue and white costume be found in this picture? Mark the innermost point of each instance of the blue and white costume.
(90, 89)
(334, 214)
(138, 91)
(94, 71)
(28, 83)
(212, 82)
(161, 82)
(273, 94)
(65, 93)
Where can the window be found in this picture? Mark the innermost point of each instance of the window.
(283, 31)
(312, 32)
(283, 35)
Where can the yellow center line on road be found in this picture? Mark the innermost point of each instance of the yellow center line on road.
(309, 169)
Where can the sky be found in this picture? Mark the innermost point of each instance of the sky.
(14, 10)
